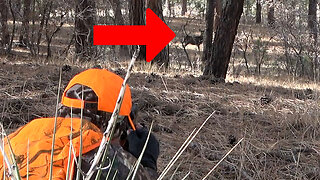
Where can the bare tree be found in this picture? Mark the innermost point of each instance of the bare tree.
(55, 28)
(184, 4)
(312, 25)
(218, 64)
(208, 34)
(119, 20)
(13, 26)
(312, 18)
(163, 57)
(271, 18)
(218, 7)
(258, 11)
(137, 17)
(169, 9)
(84, 21)
(24, 34)
(4, 26)
(44, 17)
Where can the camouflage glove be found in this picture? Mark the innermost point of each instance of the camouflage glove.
(136, 140)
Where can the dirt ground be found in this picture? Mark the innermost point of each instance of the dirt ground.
(280, 126)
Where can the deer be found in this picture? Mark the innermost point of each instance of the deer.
(193, 40)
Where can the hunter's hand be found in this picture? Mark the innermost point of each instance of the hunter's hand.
(136, 141)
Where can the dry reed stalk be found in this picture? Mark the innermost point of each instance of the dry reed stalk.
(226, 155)
(182, 148)
(81, 143)
(55, 126)
(112, 121)
(142, 152)
(12, 168)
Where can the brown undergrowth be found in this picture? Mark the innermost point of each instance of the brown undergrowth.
(280, 124)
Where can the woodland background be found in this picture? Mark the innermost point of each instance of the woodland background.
(254, 63)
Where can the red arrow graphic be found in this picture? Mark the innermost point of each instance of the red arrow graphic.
(155, 35)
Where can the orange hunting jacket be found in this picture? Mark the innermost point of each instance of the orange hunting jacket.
(39, 134)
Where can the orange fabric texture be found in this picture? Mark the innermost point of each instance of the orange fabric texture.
(106, 85)
(39, 132)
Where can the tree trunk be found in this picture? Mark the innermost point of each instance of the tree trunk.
(24, 34)
(208, 34)
(184, 7)
(4, 26)
(116, 5)
(13, 26)
(137, 17)
(247, 9)
(119, 20)
(168, 8)
(41, 25)
(312, 24)
(163, 57)
(85, 19)
(312, 18)
(218, 6)
(258, 12)
(271, 18)
(217, 66)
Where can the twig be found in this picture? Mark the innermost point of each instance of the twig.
(28, 159)
(5, 158)
(14, 175)
(69, 156)
(164, 84)
(226, 155)
(81, 141)
(142, 152)
(185, 177)
(182, 148)
(55, 127)
(114, 157)
(175, 171)
(176, 155)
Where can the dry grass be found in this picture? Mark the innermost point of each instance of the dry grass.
(281, 137)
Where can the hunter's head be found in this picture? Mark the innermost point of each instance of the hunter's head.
(99, 90)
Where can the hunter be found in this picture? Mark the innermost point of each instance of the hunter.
(99, 89)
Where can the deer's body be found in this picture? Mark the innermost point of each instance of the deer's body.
(193, 40)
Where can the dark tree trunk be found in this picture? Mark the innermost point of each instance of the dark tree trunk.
(13, 26)
(41, 26)
(24, 34)
(208, 34)
(312, 18)
(312, 24)
(137, 17)
(218, 6)
(217, 66)
(271, 18)
(184, 7)
(4, 26)
(258, 12)
(119, 20)
(163, 57)
(168, 4)
(247, 9)
(85, 19)
(116, 5)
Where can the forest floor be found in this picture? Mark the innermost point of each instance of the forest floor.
(279, 123)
